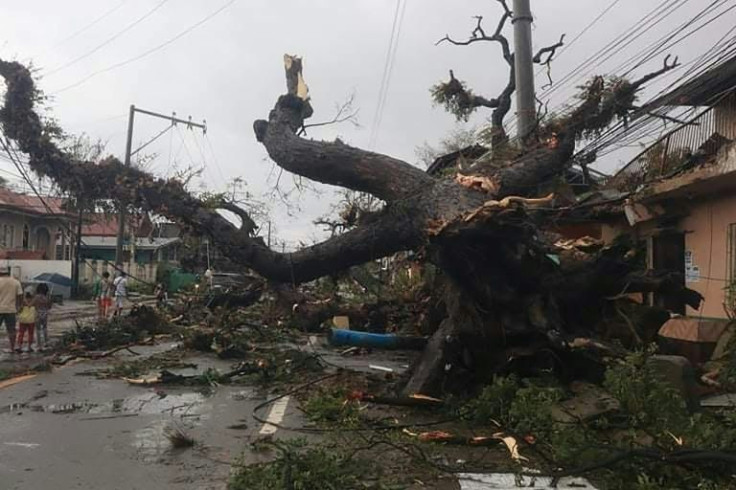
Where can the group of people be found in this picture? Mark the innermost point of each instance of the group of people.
(106, 291)
(29, 311)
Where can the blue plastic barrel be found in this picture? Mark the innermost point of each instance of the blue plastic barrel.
(375, 340)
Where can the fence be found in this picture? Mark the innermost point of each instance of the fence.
(92, 269)
(693, 143)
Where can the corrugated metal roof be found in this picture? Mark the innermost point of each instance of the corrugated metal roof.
(31, 204)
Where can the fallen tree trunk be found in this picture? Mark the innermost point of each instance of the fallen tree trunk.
(504, 294)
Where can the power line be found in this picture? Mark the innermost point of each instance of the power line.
(581, 33)
(214, 157)
(148, 52)
(91, 24)
(579, 71)
(639, 128)
(387, 70)
(108, 40)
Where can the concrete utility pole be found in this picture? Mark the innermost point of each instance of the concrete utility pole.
(129, 153)
(524, 68)
(121, 214)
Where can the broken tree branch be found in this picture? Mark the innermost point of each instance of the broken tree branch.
(333, 163)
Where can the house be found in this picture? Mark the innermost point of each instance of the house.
(30, 229)
(679, 195)
(146, 245)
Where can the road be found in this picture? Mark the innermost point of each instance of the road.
(62, 430)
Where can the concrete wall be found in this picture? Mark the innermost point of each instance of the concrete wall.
(706, 230)
(93, 269)
(25, 270)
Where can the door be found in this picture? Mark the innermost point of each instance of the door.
(668, 254)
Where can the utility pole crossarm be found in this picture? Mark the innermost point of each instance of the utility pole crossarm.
(129, 152)
(174, 119)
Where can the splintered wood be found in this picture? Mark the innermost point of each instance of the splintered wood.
(294, 80)
(504, 203)
(476, 182)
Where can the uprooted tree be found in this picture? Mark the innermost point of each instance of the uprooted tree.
(504, 298)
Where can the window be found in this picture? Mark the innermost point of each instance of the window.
(6, 237)
(26, 237)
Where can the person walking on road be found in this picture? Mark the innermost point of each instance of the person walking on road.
(103, 295)
(120, 286)
(11, 293)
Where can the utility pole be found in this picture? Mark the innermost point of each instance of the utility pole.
(129, 152)
(524, 68)
(121, 214)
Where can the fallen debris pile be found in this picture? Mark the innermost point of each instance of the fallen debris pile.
(141, 323)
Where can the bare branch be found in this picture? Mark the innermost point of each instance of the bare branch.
(549, 50)
(344, 113)
(479, 34)
(650, 76)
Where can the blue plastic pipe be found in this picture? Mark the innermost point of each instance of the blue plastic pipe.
(375, 340)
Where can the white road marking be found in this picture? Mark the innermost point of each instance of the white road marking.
(380, 368)
(511, 481)
(22, 444)
(275, 416)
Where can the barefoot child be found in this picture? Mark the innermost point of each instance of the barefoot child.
(42, 302)
(26, 322)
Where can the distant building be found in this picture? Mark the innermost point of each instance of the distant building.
(31, 229)
(145, 247)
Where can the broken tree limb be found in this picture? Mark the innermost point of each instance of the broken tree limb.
(334, 163)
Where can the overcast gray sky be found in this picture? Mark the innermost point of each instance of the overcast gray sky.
(229, 71)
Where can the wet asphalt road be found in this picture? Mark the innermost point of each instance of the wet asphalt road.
(61, 431)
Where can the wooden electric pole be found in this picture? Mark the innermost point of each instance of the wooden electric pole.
(129, 153)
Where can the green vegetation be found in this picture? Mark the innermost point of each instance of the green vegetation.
(304, 468)
(331, 407)
(631, 445)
